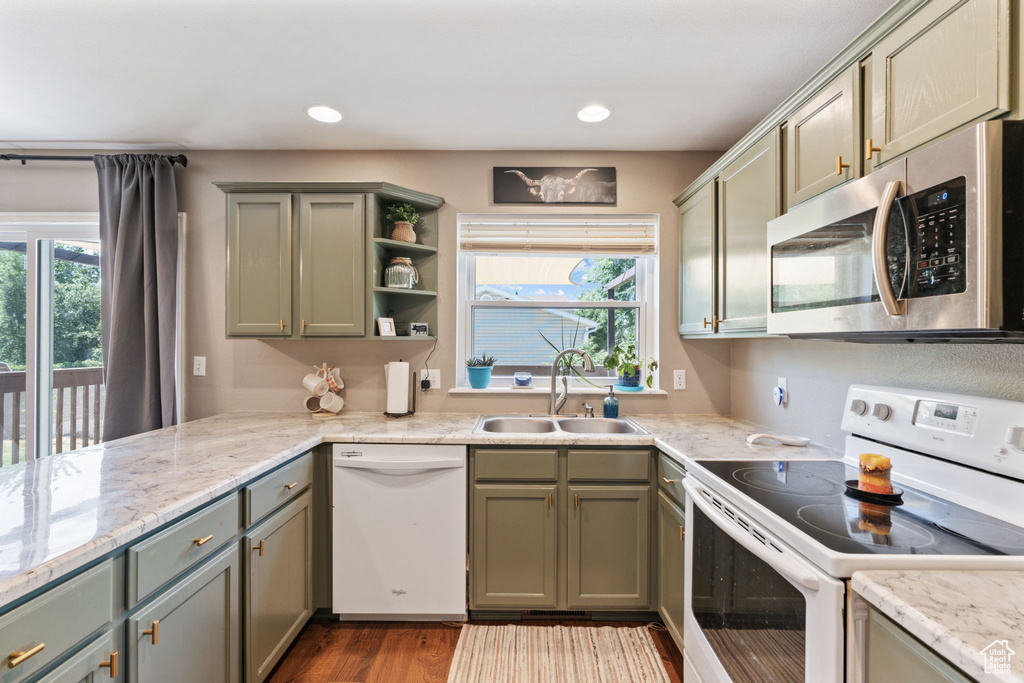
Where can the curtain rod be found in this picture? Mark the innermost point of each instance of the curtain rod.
(173, 158)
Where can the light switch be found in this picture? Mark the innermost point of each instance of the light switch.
(199, 366)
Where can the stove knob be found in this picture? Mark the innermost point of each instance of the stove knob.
(858, 407)
(882, 411)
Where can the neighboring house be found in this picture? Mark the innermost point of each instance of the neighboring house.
(513, 335)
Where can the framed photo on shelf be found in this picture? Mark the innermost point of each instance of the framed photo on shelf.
(386, 327)
(419, 330)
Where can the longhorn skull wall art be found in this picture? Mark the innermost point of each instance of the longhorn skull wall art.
(554, 185)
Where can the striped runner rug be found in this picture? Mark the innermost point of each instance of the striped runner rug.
(555, 654)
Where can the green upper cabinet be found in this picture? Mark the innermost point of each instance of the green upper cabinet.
(331, 265)
(946, 66)
(259, 287)
(823, 140)
(749, 195)
(697, 263)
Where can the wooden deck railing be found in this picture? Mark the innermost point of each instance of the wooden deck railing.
(77, 403)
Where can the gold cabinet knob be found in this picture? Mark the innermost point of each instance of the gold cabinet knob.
(154, 631)
(112, 664)
(259, 548)
(870, 149)
(17, 658)
(202, 541)
(840, 165)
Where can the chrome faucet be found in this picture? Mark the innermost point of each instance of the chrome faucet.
(555, 404)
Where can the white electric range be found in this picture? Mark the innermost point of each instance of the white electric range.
(771, 545)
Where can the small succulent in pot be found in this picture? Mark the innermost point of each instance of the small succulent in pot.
(630, 366)
(404, 216)
(484, 361)
(479, 370)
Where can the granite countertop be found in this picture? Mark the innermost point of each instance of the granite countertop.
(65, 511)
(956, 613)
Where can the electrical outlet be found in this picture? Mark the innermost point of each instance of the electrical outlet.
(434, 377)
(784, 385)
(199, 366)
(678, 379)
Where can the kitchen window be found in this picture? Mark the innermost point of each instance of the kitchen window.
(533, 285)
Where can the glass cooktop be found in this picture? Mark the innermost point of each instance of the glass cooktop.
(811, 495)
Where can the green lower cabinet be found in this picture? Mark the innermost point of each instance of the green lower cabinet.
(609, 548)
(278, 585)
(671, 566)
(101, 660)
(191, 631)
(513, 546)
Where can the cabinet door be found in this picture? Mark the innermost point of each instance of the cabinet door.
(513, 550)
(609, 548)
(671, 563)
(332, 280)
(894, 656)
(697, 263)
(946, 66)
(193, 628)
(259, 287)
(822, 140)
(278, 585)
(748, 197)
(99, 662)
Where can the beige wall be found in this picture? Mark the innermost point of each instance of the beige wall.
(819, 373)
(265, 375)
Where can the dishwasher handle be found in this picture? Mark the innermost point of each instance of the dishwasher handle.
(420, 465)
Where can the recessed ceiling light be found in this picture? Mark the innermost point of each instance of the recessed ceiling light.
(592, 113)
(324, 113)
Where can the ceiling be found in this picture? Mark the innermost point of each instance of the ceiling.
(407, 74)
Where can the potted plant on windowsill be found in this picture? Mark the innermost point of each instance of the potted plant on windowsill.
(479, 371)
(630, 367)
(404, 216)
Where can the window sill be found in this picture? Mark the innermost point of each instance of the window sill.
(537, 391)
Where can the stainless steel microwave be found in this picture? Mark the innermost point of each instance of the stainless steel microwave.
(928, 248)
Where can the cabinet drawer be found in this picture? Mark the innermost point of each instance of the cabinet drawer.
(58, 619)
(266, 494)
(100, 661)
(521, 464)
(670, 478)
(157, 560)
(594, 465)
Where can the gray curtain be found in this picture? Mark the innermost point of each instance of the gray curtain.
(138, 274)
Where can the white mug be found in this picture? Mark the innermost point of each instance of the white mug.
(332, 402)
(312, 404)
(316, 384)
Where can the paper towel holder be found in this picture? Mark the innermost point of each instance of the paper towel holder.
(411, 412)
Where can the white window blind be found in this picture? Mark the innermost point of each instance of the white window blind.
(626, 234)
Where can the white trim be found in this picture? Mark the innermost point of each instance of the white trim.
(541, 391)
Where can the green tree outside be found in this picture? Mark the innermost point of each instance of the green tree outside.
(598, 276)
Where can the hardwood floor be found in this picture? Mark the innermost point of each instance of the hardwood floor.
(329, 651)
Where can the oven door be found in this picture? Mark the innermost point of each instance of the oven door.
(836, 265)
(755, 610)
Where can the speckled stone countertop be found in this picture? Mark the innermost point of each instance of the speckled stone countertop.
(62, 512)
(956, 613)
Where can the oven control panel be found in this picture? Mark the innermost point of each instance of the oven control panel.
(938, 239)
(984, 433)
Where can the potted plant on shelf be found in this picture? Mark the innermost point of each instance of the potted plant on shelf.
(630, 367)
(479, 370)
(404, 216)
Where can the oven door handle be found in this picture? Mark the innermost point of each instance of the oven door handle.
(879, 238)
(784, 563)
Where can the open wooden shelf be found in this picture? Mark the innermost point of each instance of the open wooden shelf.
(397, 246)
(395, 290)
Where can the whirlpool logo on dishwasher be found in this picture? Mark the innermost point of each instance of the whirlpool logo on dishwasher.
(398, 591)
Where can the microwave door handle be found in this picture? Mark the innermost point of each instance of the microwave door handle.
(879, 237)
(783, 563)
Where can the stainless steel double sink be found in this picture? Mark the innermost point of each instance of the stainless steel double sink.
(522, 424)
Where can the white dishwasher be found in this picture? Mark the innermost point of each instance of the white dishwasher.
(399, 532)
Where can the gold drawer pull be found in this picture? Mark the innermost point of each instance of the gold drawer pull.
(22, 657)
(112, 664)
(202, 541)
(155, 631)
(549, 499)
(282, 324)
(840, 165)
(303, 325)
(668, 481)
(681, 532)
(259, 547)
(576, 499)
(291, 485)
(870, 149)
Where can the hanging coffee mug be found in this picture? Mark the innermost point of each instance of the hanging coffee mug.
(316, 384)
(401, 273)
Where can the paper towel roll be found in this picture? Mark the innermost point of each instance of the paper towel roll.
(397, 375)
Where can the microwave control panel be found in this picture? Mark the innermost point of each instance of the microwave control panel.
(938, 229)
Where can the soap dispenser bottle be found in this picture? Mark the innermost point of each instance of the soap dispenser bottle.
(611, 404)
